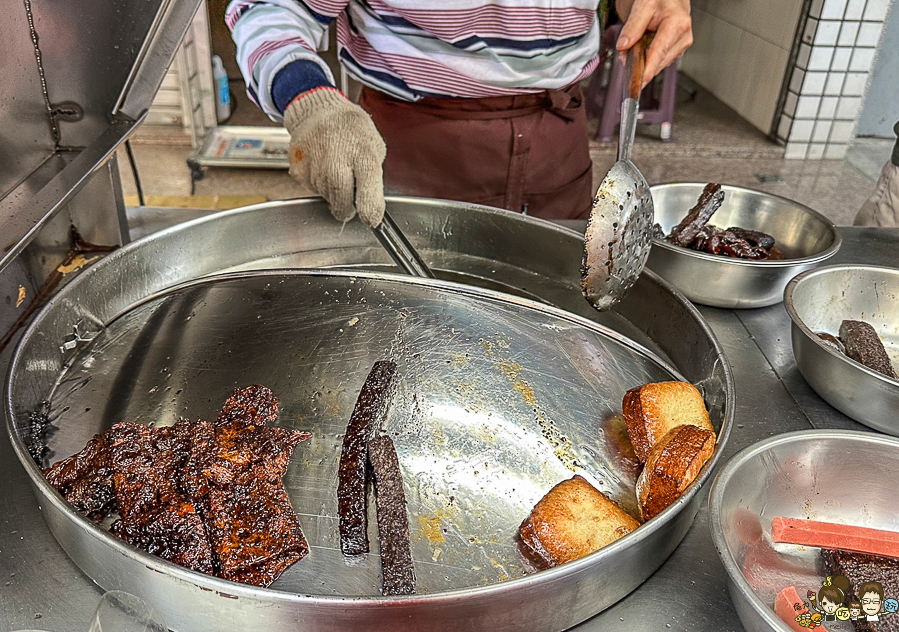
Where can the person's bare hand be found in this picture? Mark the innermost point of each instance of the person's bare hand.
(670, 19)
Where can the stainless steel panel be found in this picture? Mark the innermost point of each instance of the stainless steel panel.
(816, 474)
(94, 56)
(166, 33)
(90, 52)
(819, 301)
(806, 237)
(25, 135)
(102, 191)
(23, 216)
(303, 234)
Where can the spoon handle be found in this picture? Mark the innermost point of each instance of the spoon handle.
(634, 66)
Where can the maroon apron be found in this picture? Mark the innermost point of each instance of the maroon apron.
(525, 153)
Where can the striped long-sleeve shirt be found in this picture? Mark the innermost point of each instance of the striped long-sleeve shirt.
(421, 48)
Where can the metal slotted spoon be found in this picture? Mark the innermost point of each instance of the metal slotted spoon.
(618, 233)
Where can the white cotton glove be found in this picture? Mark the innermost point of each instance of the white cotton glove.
(336, 150)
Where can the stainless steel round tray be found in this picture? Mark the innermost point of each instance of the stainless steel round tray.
(484, 415)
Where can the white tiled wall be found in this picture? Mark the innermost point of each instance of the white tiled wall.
(741, 51)
(827, 83)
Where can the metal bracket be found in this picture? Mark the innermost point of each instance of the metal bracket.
(76, 339)
(196, 173)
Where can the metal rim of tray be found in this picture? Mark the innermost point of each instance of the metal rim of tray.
(764, 263)
(232, 589)
(717, 493)
(797, 321)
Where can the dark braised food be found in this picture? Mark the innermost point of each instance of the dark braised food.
(831, 341)
(696, 233)
(352, 478)
(864, 345)
(397, 570)
(862, 569)
(710, 200)
(205, 496)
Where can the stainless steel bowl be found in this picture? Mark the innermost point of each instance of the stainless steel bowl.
(829, 475)
(806, 237)
(818, 301)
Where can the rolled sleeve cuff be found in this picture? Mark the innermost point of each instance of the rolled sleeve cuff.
(276, 62)
(294, 79)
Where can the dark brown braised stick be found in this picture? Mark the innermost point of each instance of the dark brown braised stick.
(352, 475)
(397, 569)
(864, 345)
(710, 201)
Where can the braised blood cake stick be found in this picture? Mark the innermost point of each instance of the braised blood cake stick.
(352, 473)
(393, 523)
(826, 535)
(709, 201)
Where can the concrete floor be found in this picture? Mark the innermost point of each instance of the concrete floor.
(710, 144)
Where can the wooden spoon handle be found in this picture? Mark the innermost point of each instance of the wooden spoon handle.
(637, 53)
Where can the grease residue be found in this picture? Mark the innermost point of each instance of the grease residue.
(432, 528)
(77, 263)
(559, 442)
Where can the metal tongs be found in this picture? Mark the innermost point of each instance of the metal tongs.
(400, 250)
(618, 234)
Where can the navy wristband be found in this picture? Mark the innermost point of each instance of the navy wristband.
(294, 79)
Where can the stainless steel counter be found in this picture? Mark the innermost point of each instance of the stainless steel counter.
(41, 588)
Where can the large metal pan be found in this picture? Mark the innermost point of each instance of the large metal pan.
(301, 234)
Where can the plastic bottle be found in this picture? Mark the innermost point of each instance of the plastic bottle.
(222, 92)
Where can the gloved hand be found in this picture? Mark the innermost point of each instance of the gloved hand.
(336, 150)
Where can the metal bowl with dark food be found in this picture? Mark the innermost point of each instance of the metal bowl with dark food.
(805, 237)
(817, 302)
(822, 475)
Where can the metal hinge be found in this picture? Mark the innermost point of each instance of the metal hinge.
(76, 339)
